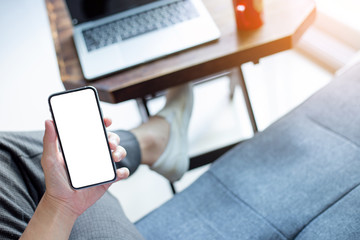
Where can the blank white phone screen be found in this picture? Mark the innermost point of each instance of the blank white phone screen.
(82, 137)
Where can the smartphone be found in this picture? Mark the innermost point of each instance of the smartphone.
(82, 137)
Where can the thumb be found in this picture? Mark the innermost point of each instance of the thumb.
(50, 139)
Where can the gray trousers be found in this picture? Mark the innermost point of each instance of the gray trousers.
(22, 186)
(298, 179)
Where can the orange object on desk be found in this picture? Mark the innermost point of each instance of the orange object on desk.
(248, 14)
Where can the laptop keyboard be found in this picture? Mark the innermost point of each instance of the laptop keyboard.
(138, 24)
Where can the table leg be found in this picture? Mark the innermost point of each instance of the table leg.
(237, 74)
(143, 109)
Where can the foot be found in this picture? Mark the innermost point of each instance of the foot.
(174, 161)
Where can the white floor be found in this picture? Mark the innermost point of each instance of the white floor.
(29, 74)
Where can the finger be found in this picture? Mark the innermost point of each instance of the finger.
(114, 140)
(107, 121)
(50, 140)
(119, 154)
(122, 173)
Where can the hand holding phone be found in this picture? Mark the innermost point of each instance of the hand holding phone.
(60, 203)
(56, 179)
(82, 137)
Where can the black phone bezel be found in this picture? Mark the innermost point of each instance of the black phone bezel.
(104, 128)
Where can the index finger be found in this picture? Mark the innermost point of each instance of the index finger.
(107, 121)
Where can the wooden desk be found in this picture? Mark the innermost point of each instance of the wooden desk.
(285, 22)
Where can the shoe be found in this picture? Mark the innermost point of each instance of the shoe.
(174, 161)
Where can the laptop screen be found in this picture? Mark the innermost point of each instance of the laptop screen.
(85, 10)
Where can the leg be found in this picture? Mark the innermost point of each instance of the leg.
(22, 186)
(163, 139)
(298, 179)
(22, 181)
(104, 220)
(153, 137)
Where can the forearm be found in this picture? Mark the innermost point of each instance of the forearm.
(51, 220)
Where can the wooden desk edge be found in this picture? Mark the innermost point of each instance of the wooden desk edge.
(119, 94)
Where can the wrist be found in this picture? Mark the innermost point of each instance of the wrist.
(58, 208)
(51, 220)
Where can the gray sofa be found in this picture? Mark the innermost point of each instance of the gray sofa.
(298, 179)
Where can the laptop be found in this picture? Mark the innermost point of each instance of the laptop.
(112, 35)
